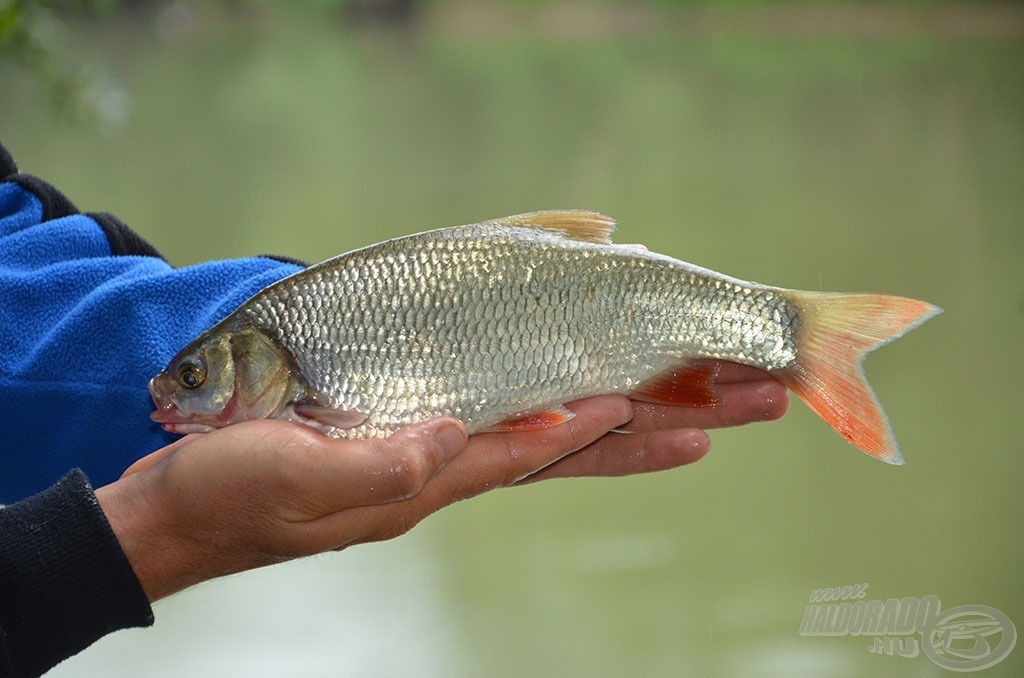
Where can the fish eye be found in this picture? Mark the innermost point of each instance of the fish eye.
(191, 375)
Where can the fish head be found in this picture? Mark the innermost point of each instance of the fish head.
(224, 377)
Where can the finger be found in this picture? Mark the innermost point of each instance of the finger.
(739, 403)
(733, 373)
(509, 457)
(501, 459)
(490, 460)
(334, 475)
(620, 455)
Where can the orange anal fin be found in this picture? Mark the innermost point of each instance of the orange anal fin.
(533, 421)
(691, 384)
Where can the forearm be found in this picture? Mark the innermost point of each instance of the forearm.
(64, 581)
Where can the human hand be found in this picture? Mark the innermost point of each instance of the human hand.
(267, 491)
(664, 437)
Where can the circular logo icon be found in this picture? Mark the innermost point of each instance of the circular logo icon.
(969, 638)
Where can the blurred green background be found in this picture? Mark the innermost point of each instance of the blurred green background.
(836, 146)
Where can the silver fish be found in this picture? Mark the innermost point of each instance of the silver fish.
(500, 323)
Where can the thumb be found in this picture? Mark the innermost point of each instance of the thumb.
(154, 458)
(444, 437)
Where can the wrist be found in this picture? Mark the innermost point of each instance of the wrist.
(162, 563)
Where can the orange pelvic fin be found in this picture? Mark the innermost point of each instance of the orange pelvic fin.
(688, 385)
(533, 421)
(837, 331)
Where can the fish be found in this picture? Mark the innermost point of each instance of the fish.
(500, 323)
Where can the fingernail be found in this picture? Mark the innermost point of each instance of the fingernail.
(449, 440)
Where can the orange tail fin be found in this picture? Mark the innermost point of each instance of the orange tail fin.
(837, 331)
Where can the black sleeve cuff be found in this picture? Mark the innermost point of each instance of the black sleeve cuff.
(64, 580)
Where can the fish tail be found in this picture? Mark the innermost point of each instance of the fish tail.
(836, 332)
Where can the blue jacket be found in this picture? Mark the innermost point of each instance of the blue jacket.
(89, 311)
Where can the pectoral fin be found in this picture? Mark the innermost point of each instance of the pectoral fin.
(328, 416)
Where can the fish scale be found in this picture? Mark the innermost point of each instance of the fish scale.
(500, 323)
(525, 297)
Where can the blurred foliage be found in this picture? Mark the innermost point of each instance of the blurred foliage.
(34, 36)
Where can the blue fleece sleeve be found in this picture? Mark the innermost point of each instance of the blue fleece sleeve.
(83, 328)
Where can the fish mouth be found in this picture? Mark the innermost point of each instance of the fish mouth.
(172, 420)
(167, 412)
(169, 415)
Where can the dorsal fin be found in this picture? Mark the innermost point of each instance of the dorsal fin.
(576, 224)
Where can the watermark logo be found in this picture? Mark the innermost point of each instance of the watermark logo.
(969, 638)
(964, 638)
